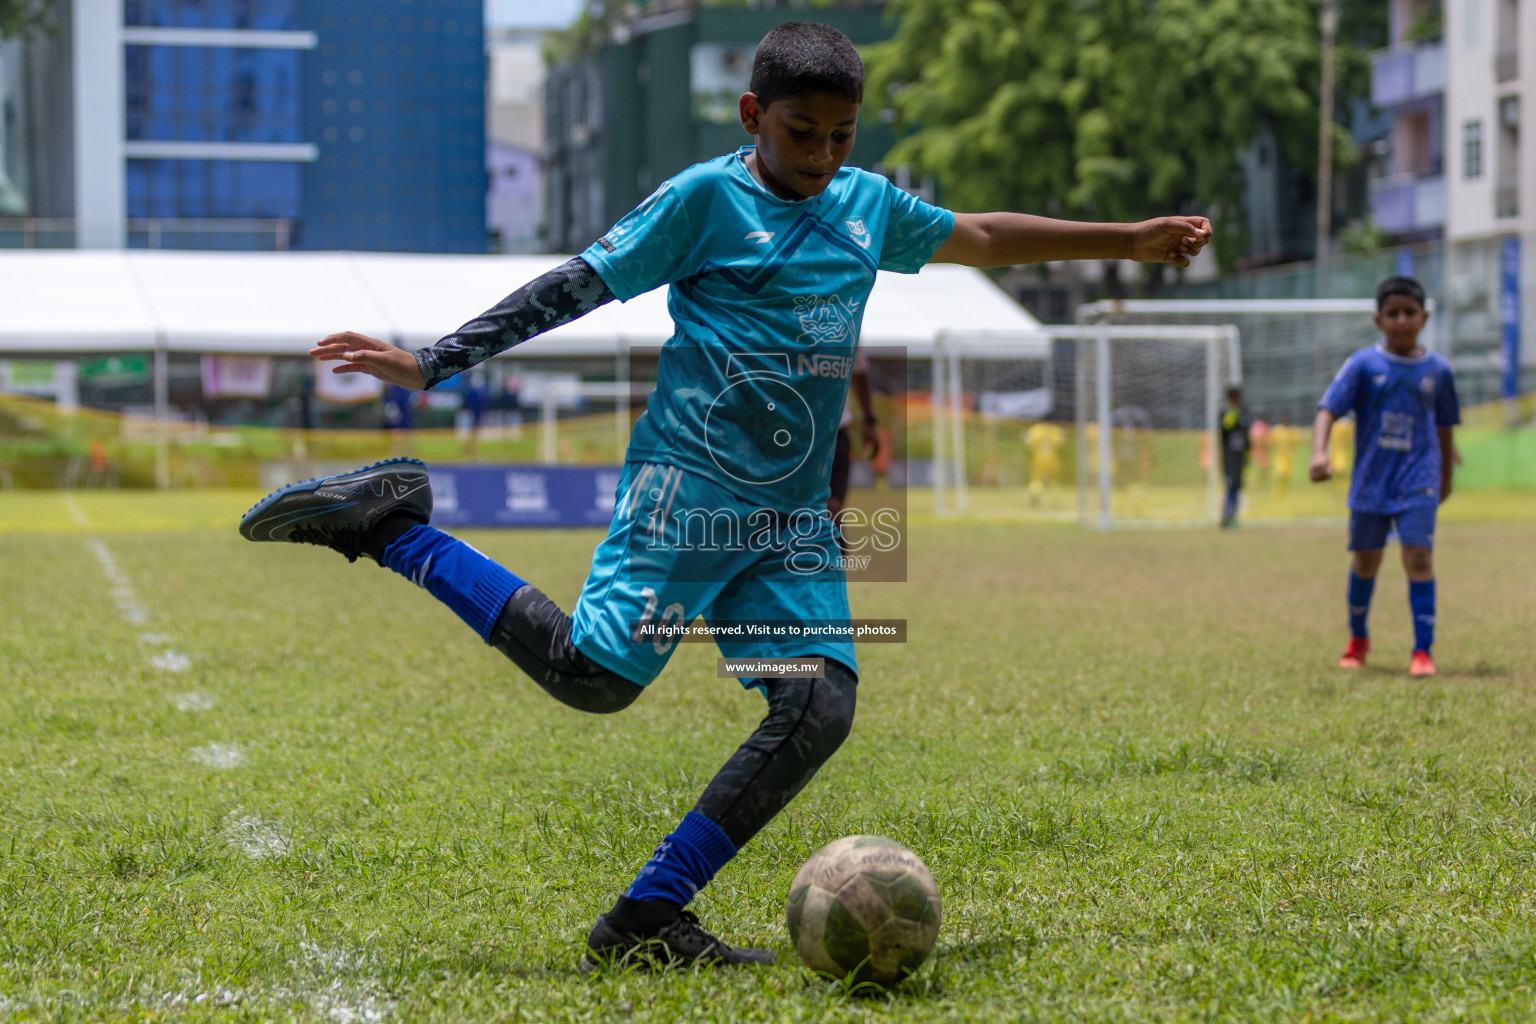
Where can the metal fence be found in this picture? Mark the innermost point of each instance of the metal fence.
(250, 235)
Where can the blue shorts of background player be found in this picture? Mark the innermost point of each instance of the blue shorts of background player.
(1369, 531)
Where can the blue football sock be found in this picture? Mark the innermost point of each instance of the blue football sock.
(684, 862)
(476, 588)
(1229, 506)
(1421, 599)
(1360, 590)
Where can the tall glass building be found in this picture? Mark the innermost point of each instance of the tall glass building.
(307, 124)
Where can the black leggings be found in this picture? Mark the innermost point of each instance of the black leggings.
(807, 719)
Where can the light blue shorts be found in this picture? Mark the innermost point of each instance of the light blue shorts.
(680, 547)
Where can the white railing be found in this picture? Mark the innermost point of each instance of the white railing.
(152, 233)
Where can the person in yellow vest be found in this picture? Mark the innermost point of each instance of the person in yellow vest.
(1091, 447)
(1044, 441)
(1259, 441)
(1341, 448)
(1283, 439)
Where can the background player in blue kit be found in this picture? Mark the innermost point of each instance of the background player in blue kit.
(769, 253)
(1404, 401)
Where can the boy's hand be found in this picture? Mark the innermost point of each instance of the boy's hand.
(362, 354)
(1321, 468)
(871, 438)
(1170, 239)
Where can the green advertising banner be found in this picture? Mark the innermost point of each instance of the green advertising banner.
(108, 370)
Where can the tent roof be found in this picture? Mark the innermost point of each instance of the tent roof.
(69, 301)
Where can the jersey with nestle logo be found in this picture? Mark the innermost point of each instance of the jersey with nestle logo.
(1398, 401)
(767, 295)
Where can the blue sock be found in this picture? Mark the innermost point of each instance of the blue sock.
(476, 588)
(1360, 591)
(684, 862)
(1229, 507)
(1421, 599)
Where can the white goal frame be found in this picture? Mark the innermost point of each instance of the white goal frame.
(950, 495)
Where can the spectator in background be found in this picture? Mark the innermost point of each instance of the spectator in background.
(1235, 443)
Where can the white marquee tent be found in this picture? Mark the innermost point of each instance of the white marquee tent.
(82, 301)
(64, 303)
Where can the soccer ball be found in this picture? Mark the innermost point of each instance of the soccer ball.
(865, 907)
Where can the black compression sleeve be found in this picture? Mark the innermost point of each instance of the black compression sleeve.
(571, 290)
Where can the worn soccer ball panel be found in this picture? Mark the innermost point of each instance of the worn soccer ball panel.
(809, 937)
(864, 907)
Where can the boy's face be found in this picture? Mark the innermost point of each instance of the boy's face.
(1400, 320)
(801, 140)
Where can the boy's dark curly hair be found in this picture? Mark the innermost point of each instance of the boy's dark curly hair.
(1399, 286)
(798, 58)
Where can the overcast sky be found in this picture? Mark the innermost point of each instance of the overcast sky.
(531, 13)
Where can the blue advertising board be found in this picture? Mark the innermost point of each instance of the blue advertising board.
(1509, 316)
(523, 495)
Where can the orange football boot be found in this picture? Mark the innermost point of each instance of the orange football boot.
(1422, 664)
(1354, 654)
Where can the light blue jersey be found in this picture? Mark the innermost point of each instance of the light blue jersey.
(768, 297)
(1398, 402)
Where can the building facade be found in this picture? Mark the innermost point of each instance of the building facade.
(314, 124)
(1490, 45)
(660, 96)
(1490, 48)
(1408, 81)
(515, 150)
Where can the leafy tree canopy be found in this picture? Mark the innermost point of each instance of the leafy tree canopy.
(1106, 109)
(19, 16)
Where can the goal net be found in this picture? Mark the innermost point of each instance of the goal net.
(1291, 349)
(1108, 425)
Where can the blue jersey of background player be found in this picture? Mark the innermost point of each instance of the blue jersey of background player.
(769, 254)
(1404, 401)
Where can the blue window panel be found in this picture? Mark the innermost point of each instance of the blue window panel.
(212, 94)
(197, 189)
(256, 14)
(394, 99)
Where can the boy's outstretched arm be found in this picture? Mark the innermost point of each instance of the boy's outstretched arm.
(560, 296)
(1448, 459)
(1321, 468)
(1004, 239)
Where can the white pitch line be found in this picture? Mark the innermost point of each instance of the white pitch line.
(220, 755)
(257, 838)
(76, 512)
(129, 606)
(171, 661)
(192, 702)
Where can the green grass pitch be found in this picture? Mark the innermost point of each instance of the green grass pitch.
(253, 782)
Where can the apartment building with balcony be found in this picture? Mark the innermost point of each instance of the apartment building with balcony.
(1408, 81)
(1490, 48)
(1490, 52)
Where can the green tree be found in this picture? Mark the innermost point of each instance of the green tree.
(1107, 109)
(20, 16)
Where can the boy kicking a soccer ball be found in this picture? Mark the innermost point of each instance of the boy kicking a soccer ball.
(770, 253)
(1404, 401)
